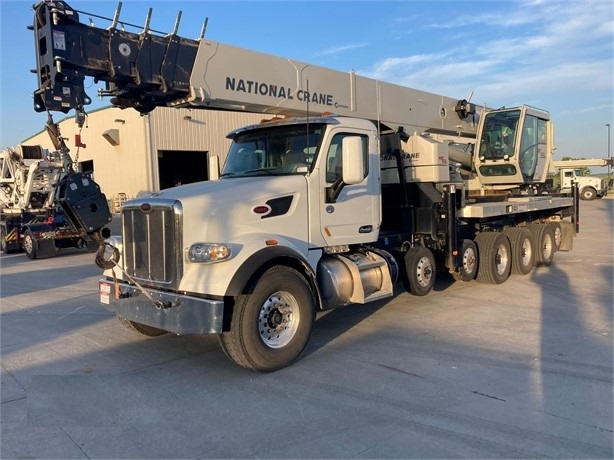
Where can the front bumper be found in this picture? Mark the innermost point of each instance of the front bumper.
(177, 313)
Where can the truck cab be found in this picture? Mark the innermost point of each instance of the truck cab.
(590, 187)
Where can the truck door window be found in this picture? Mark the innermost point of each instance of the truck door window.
(334, 157)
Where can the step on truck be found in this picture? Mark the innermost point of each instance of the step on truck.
(349, 187)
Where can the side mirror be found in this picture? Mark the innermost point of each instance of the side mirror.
(353, 160)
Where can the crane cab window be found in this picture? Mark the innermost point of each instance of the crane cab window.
(532, 144)
(498, 139)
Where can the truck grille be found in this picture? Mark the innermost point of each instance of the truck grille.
(152, 242)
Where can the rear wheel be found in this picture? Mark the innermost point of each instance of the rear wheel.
(142, 329)
(420, 270)
(271, 323)
(29, 244)
(523, 255)
(557, 233)
(543, 238)
(469, 262)
(3, 244)
(495, 260)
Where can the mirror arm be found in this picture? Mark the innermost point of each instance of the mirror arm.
(333, 191)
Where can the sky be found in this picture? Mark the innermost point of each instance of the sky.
(557, 55)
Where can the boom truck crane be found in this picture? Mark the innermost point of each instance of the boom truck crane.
(48, 205)
(351, 186)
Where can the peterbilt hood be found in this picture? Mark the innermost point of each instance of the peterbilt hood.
(222, 210)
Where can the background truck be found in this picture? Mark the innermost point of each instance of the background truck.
(590, 187)
(46, 205)
(351, 186)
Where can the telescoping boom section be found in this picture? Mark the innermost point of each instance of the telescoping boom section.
(144, 70)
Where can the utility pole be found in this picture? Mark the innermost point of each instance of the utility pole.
(609, 157)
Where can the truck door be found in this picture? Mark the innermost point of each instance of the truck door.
(354, 215)
(567, 178)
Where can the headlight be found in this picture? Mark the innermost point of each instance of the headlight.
(208, 252)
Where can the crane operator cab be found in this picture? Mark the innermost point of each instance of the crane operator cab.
(514, 147)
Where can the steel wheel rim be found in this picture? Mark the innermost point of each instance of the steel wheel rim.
(424, 272)
(547, 247)
(278, 319)
(501, 260)
(28, 244)
(527, 252)
(469, 261)
(558, 236)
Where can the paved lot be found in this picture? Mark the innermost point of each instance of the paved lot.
(520, 370)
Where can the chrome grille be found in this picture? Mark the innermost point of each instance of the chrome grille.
(152, 242)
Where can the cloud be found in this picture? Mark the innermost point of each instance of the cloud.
(341, 49)
(539, 49)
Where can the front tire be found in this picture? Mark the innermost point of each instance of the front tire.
(272, 322)
(588, 193)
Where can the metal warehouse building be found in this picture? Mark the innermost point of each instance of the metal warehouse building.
(131, 154)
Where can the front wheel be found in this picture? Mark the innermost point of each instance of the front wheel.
(271, 323)
(420, 270)
(588, 193)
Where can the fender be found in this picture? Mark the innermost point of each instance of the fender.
(37, 227)
(259, 259)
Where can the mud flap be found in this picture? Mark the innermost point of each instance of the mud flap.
(45, 248)
(569, 231)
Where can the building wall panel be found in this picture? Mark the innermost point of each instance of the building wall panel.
(131, 167)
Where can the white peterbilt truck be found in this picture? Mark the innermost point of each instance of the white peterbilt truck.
(351, 186)
(589, 187)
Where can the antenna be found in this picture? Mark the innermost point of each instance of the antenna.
(202, 31)
(177, 21)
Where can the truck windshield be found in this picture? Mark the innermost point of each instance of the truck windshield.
(274, 150)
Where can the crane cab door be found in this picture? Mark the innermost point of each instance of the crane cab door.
(349, 200)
